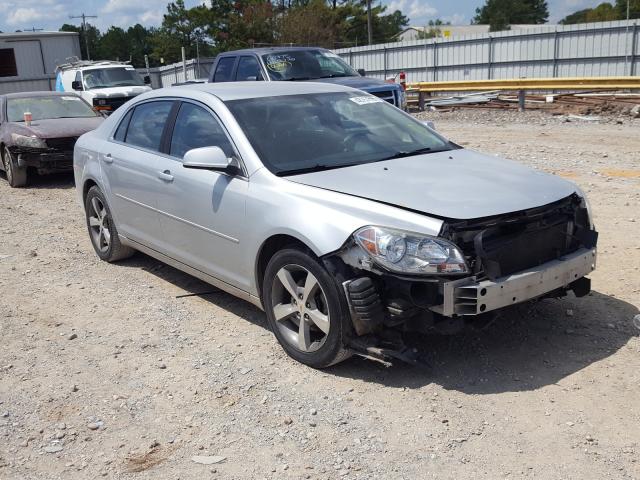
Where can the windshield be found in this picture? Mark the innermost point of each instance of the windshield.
(41, 108)
(300, 133)
(306, 65)
(111, 77)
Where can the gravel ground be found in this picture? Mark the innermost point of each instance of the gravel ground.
(105, 373)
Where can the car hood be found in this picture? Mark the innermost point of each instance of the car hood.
(361, 83)
(58, 127)
(457, 184)
(118, 92)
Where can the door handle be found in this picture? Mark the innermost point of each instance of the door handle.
(166, 176)
(107, 158)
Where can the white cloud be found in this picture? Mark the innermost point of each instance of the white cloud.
(456, 19)
(26, 13)
(417, 10)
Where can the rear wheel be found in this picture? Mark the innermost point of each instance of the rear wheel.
(102, 229)
(16, 176)
(306, 309)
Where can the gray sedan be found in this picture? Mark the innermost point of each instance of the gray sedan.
(347, 220)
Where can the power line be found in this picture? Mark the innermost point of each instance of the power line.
(84, 29)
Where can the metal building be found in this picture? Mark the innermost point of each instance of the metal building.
(28, 59)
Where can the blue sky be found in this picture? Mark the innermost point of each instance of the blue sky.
(50, 14)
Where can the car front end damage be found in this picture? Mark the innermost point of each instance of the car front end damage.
(46, 155)
(474, 267)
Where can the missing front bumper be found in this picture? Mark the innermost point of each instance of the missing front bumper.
(471, 297)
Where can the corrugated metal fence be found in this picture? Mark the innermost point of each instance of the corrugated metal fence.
(590, 49)
(175, 73)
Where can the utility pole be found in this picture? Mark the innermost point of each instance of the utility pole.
(369, 32)
(84, 29)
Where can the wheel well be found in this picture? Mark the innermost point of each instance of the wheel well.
(269, 248)
(87, 185)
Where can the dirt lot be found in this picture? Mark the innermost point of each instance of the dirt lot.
(104, 372)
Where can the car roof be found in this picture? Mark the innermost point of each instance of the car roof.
(38, 94)
(226, 91)
(262, 50)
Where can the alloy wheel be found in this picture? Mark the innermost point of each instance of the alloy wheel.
(99, 225)
(300, 308)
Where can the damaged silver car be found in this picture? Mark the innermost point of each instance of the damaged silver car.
(344, 218)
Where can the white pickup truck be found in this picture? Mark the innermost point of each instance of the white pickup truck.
(105, 85)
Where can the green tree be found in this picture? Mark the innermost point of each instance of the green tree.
(634, 9)
(93, 37)
(602, 13)
(314, 24)
(500, 14)
(113, 45)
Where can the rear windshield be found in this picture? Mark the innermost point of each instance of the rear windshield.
(41, 108)
(306, 65)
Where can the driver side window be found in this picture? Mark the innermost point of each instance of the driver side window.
(195, 127)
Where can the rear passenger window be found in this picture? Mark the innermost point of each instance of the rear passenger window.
(223, 70)
(122, 128)
(195, 127)
(147, 123)
(248, 69)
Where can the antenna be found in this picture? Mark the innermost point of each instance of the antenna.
(84, 29)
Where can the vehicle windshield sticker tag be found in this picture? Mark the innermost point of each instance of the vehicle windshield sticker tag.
(69, 98)
(365, 100)
(279, 63)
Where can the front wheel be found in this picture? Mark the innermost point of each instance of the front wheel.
(102, 229)
(16, 176)
(306, 309)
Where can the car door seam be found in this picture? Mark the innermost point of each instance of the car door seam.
(201, 227)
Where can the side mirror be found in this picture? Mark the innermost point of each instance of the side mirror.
(362, 72)
(76, 85)
(210, 158)
(147, 80)
(429, 124)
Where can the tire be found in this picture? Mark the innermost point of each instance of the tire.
(16, 176)
(102, 229)
(322, 339)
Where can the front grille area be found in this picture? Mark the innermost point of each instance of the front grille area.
(510, 243)
(62, 144)
(386, 95)
(113, 102)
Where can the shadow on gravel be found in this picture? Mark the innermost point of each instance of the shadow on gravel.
(52, 181)
(192, 285)
(529, 346)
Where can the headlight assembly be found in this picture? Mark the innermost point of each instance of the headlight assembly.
(411, 253)
(30, 142)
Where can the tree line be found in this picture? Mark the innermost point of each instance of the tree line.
(205, 30)
(221, 25)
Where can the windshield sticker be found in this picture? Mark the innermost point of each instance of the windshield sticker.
(279, 63)
(365, 100)
(69, 98)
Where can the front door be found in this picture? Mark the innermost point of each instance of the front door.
(202, 212)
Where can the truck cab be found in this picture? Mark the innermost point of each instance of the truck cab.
(105, 85)
(300, 64)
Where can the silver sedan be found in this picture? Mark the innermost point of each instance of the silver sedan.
(347, 220)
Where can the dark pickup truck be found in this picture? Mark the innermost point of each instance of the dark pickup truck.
(300, 64)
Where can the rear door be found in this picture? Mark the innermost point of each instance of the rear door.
(130, 170)
(202, 212)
